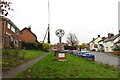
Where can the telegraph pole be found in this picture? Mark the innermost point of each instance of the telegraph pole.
(48, 29)
(48, 23)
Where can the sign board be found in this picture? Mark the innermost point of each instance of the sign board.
(61, 56)
(60, 32)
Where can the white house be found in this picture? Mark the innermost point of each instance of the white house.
(117, 43)
(101, 44)
(110, 42)
(94, 43)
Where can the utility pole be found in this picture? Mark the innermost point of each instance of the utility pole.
(48, 23)
(48, 29)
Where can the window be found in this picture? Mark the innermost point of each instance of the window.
(11, 38)
(95, 46)
(111, 47)
(16, 42)
(13, 29)
(8, 26)
(17, 32)
(8, 33)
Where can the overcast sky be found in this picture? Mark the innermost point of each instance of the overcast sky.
(85, 18)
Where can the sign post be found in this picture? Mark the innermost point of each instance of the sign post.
(61, 56)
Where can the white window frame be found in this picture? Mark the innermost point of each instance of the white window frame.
(13, 29)
(8, 25)
(16, 43)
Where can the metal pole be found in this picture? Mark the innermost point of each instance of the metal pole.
(45, 36)
(48, 23)
(48, 13)
(60, 43)
(60, 39)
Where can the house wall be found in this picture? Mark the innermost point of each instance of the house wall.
(95, 42)
(101, 48)
(91, 46)
(108, 46)
(7, 32)
(118, 38)
(27, 36)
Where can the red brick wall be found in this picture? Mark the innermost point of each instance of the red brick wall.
(27, 36)
(6, 37)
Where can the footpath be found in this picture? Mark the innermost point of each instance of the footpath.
(16, 70)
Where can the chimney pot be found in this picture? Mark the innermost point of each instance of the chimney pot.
(110, 35)
(29, 27)
(98, 35)
(103, 37)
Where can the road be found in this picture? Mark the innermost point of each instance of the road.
(106, 59)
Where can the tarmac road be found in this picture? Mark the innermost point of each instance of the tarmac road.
(106, 58)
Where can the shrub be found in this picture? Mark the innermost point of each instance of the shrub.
(70, 47)
(31, 46)
(46, 46)
(22, 55)
(10, 52)
(116, 48)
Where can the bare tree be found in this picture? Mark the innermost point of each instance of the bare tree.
(5, 7)
(72, 39)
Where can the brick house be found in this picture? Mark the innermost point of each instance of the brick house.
(28, 36)
(10, 34)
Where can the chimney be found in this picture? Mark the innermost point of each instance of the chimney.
(103, 38)
(29, 27)
(98, 35)
(93, 38)
(110, 35)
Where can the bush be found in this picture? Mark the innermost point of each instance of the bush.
(70, 47)
(31, 46)
(46, 46)
(10, 52)
(116, 48)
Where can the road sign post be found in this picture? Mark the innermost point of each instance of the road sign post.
(61, 55)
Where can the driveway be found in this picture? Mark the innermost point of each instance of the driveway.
(105, 58)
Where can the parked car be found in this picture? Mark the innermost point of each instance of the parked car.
(68, 51)
(93, 50)
(75, 52)
(86, 55)
(82, 54)
(90, 56)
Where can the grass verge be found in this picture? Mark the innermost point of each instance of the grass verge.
(12, 58)
(74, 67)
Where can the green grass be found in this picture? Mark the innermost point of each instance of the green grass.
(74, 67)
(12, 58)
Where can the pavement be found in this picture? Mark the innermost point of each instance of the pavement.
(16, 70)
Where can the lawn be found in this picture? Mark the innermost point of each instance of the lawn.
(12, 58)
(74, 67)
